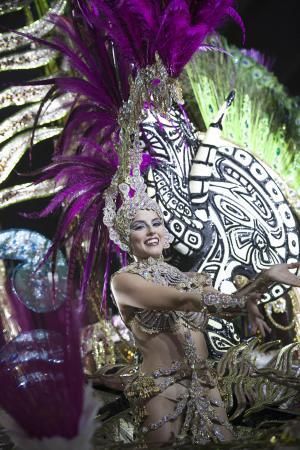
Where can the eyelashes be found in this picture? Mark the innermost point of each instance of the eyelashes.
(157, 223)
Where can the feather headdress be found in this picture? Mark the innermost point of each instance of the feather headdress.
(125, 56)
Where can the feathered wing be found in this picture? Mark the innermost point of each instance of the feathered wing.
(174, 29)
(40, 360)
(106, 42)
(263, 118)
(18, 104)
(193, 21)
(41, 371)
(85, 159)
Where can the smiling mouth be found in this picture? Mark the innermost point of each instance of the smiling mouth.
(152, 242)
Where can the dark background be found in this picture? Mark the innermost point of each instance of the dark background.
(272, 27)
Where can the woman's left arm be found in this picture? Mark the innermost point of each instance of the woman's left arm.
(277, 273)
(253, 292)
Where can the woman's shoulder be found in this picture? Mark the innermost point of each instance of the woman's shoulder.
(130, 268)
(121, 273)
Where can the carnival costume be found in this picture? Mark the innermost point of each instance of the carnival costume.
(129, 55)
(187, 382)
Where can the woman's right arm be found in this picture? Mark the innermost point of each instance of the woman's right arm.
(133, 290)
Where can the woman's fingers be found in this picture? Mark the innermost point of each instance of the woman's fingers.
(261, 326)
(281, 274)
(260, 315)
(254, 298)
(293, 265)
(253, 327)
(267, 327)
(261, 330)
(254, 311)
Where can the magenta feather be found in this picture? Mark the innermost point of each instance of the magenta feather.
(174, 29)
(106, 42)
(41, 370)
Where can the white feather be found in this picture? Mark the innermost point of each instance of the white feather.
(261, 360)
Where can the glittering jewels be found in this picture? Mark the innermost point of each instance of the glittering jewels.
(221, 301)
(118, 222)
(161, 273)
(201, 421)
(151, 88)
(190, 377)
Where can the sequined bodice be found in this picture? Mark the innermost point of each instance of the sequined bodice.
(182, 373)
(161, 273)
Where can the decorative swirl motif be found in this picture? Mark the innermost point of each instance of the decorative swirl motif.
(220, 336)
(32, 278)
(250, 227)
(174, 144)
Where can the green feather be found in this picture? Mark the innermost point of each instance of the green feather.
(264, 119)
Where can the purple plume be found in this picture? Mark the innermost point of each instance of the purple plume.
(41, 370)
(174, 29)
(105, 42)
(88, 175)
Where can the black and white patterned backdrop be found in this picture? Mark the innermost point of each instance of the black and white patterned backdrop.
(248, 224)
(242, 225)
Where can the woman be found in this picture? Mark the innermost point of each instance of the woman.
(174, 393)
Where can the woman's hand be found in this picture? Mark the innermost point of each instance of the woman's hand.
(258, 324)
(256, 319)
(281, 274)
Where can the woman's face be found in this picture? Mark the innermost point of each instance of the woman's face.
(147, 234)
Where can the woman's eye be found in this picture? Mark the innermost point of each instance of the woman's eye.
(157, 224)
(137, 227)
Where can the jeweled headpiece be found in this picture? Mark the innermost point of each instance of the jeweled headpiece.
(152, 88)
(118, 221)
(125, 57)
